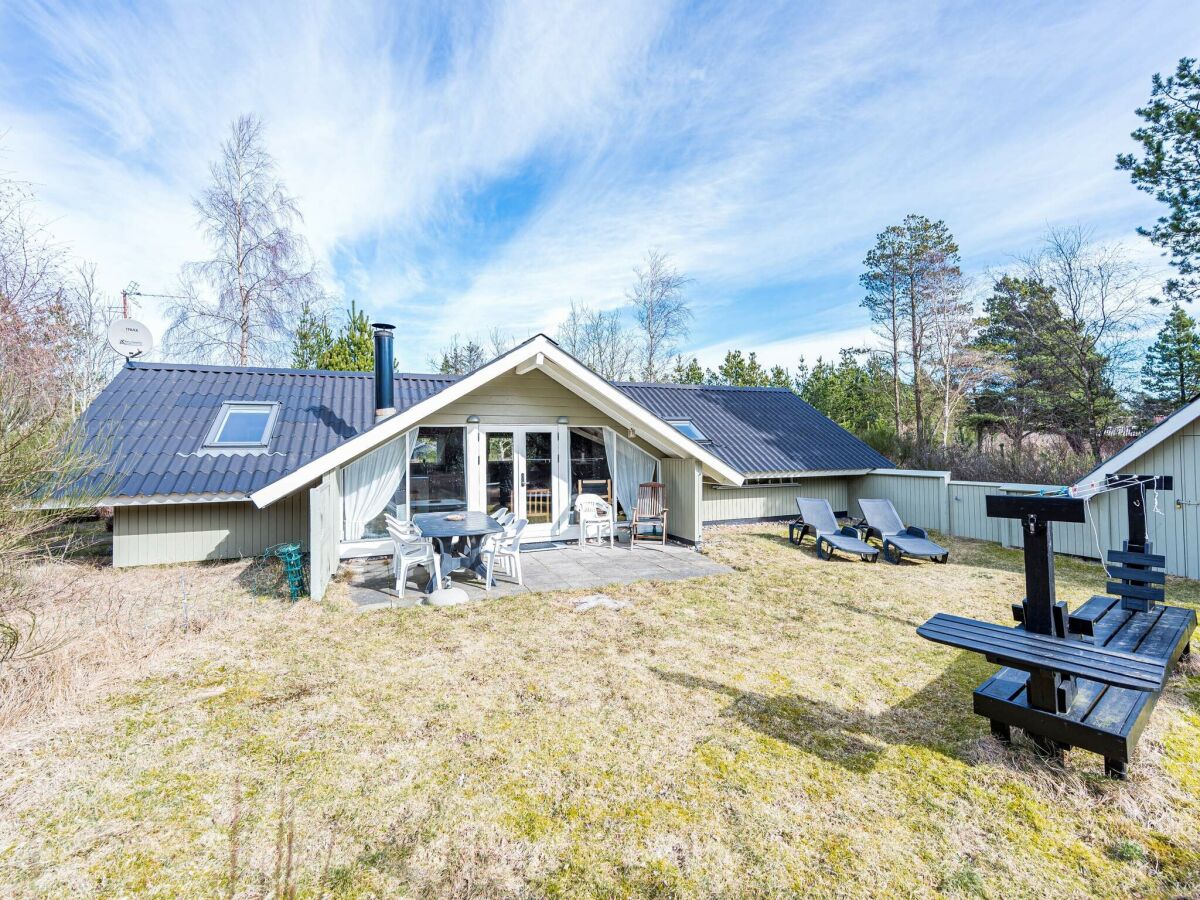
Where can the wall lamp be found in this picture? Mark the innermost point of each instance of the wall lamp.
(472, 419)
(563, 420)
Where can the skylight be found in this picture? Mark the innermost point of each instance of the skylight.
(245, 425)
(687, 429)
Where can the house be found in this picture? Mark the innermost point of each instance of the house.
(1172, 447)
(212, 462)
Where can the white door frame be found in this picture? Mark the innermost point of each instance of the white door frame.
(559, 488)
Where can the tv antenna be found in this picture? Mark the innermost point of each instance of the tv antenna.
(133, 289)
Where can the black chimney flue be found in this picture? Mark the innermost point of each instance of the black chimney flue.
(384, 403)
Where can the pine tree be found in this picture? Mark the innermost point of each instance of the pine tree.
(740, 371)
(1171, 374)
(353, 350)
(688, 372)
(312, 340)
(1169, 170)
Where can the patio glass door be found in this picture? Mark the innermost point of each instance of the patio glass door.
(521, 474)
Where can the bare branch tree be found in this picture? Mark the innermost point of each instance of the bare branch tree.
(599, 340)
(86, 314)
(31, 293)
(661, 311)
(955, 365)
(1101, 295)
(261, 271)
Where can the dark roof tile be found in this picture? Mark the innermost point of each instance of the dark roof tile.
(759, 430)
(152, 419)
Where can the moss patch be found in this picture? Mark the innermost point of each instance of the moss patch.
(776, 731)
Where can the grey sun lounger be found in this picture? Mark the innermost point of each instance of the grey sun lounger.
(898, 539)
(819, 521)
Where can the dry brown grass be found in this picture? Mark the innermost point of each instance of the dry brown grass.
(773, 731)
(85, 627)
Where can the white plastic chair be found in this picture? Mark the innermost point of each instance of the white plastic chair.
(507, 549)
(503, 516)
(595, 515)
(410, 549)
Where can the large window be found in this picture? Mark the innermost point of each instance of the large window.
(589, 466)
(437, 475)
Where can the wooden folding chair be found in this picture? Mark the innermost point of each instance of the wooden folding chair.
(650, 510)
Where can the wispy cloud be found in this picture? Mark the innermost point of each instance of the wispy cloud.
(464, 166)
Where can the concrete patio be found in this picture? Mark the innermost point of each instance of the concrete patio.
(546, 568)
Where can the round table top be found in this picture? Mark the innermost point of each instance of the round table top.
(438, 525)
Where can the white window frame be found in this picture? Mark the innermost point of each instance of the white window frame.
(211, 442)
(702, 437)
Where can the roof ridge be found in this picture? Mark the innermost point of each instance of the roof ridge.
(280, 370)
(702, 387)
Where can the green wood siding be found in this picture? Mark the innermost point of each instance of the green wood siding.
(170, 533)
(725, 504)
(919, 497)
(530, 399)
(682, 480)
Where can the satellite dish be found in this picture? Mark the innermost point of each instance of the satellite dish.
(130, 338)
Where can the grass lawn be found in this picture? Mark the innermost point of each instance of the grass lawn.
(777, 730)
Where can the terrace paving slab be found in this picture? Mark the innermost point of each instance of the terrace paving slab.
(568, 567)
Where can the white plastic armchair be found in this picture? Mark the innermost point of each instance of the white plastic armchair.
(595, 516)
(410, 549)
(505, 549)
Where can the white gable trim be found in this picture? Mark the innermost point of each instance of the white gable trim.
(1169, 427)
(538, 352)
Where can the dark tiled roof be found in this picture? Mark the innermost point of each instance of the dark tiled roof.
(153, 418)
(760, 429)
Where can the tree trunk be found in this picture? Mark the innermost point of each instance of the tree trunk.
(918, 413)
(946, 409)
(896, 369)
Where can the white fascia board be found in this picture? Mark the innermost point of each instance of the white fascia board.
(394, 426)
(611, 401)
(1147, 442)
(144, 500)
(916, 473)
(809, 473)
(589, 385)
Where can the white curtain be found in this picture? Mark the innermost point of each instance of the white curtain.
(629, 466)
(369, 483)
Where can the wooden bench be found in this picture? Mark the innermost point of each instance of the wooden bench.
(1016, 648)
(1103, 717)
(1088, 678)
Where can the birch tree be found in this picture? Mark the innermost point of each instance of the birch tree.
(599, 340)
(661, 311)
(956, 367)
(241, 302)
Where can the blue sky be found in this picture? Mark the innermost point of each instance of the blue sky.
(463, 166)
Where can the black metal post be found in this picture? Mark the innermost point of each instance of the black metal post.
(1039, 575)
(1042, 614)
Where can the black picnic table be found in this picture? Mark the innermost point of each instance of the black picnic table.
(458, 537)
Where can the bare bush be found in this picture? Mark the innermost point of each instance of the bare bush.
(1033, 466)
